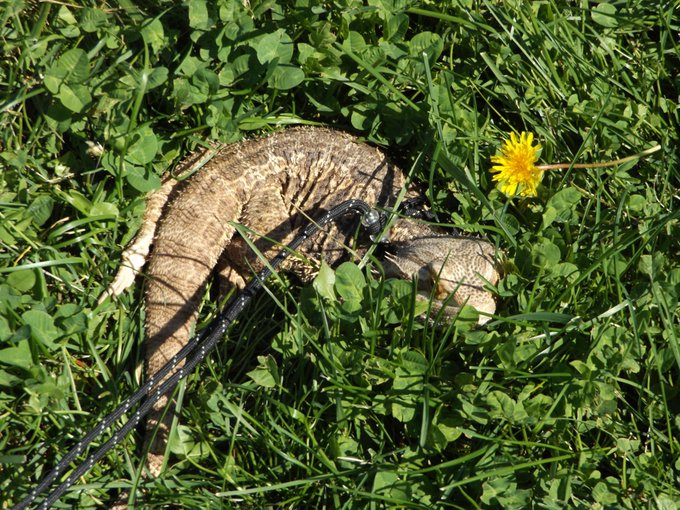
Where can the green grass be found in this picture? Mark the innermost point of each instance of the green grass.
(332, 396)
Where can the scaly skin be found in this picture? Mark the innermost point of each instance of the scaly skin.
(272, 185)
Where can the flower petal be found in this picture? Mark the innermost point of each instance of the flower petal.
(515, 166)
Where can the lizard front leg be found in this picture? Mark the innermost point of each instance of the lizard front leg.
(135, 255)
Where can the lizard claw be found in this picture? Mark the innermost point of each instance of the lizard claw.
(133, 261)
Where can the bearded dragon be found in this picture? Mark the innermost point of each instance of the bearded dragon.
(272, 185)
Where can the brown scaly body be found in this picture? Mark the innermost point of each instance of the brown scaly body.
(271, 185)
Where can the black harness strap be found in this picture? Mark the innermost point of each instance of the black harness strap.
(194, 352)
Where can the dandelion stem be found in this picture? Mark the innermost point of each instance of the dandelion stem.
(601, 165)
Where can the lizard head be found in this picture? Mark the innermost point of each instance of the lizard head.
(450, 270)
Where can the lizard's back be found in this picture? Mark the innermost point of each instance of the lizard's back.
(269, 185)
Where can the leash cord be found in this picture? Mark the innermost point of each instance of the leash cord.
(194, 352)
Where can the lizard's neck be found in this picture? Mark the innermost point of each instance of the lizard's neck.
(405, 229)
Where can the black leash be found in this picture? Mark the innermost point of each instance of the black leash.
(194, 352)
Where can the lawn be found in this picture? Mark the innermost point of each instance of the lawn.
(332, 395)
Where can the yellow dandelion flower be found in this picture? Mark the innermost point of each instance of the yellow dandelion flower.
(516, 170)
